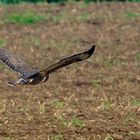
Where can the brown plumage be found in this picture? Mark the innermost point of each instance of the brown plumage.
(34, 76)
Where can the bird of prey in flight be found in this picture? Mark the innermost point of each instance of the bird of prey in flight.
(34, 76)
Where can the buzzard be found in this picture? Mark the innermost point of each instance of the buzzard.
(34, 76)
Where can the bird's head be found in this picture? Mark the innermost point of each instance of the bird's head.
(28, 80)
(20, 81)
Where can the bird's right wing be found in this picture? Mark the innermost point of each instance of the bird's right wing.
(14, 63)
(67, 61)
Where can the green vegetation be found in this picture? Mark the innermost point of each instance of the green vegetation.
(64, 122)
(131, 117)
(134, 135)
(58, 104)
(96, 82)
(83, 17)
(57, 137)
(36, 42)
(23, 18)
(138, 56)
(58, 1)
(109, 62)
(42, 108)
(30, 18)
(135, 102)
(77, 122)
(2, 42)
(1, 67)
(132, 15)
(109, 138)
(97, 95)
(106, 105)
(59, 18)
(8, 138)
(74, 121)
(63, 17)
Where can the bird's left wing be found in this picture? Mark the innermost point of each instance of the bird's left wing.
(14, 62)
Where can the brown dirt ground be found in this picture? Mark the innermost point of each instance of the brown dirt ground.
(97, 99)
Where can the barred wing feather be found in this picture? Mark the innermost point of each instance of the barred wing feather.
(14, 62)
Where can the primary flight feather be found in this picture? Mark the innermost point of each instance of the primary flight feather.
(34, 76)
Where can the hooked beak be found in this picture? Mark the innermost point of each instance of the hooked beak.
(14, 83)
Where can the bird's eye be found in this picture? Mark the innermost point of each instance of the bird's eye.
(22, 81)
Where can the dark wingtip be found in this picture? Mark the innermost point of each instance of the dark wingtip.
(91, 50)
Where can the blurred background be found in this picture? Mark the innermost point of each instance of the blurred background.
(97, 99)
(60, 1)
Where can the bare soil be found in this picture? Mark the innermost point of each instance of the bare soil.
(98, 99)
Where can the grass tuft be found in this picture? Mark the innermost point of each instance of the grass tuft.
(96, 82)
(83, 17)
(8, 138)
(42, 109)
(58, 104)
(109, 62)
(138, 57)
(106, 105)
(77, 122)
(23, 18)
(61, 17)
(2, 42)
(57, 137)
(135, 102)
(132, 15)
(109, 138)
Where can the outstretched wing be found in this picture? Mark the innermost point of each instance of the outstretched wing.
(67, 61)
(14, 63)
